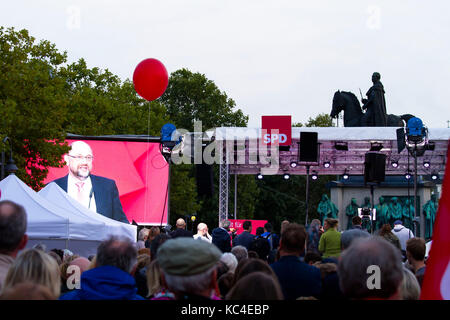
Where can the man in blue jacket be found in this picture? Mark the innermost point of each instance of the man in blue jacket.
(297, 279)
(94, 192)
(245, 238)
(111, 279)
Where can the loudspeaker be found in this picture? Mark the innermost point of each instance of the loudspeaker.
(308, 150)
(204, 177)
(374, 167)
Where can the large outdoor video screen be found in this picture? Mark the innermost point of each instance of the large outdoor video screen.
(141, 174)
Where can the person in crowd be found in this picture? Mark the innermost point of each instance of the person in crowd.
(155, 287)
(111, 279)
(55, 256)
(59, 252)
(35, 266)
(245, 238)
(259, 231)
(284, 224)
(99, 194)
(272, 237)
(357, 223)
(386, 234)
(221, 269)
(330, 241)
(202, 233)
(145, 251)
(311, 257)
(27, 291)
(13, 225)
(140, 273)
(225, 283)
(415, 253)
(297, 279)
(142, 237)
(156, 243)
(348, 236)
(40, 246)
(240, 252)
(82, 264)
(251, 266)
(256, 286)
(410, 286)
(314, 234)
(403, 234)
(154, 231)
(188, 269)
(330, 277)
(262, 248)
(357, 263)
(65, 274)
(221, 237)
(253, 254)
(180, 230)
(230, 260)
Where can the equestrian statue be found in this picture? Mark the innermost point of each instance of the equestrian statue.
(374, 106)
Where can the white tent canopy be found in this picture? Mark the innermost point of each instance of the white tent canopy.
(52, 225)
(53, 193)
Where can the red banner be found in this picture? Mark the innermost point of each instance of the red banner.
(237, 224)
(436, 282)
(281, 123)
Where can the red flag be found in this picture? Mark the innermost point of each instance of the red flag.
(436, 282)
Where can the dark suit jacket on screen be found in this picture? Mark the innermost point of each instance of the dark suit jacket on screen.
(106, 197)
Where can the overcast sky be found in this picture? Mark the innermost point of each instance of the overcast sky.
(271, 57)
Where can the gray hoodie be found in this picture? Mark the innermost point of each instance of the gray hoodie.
(403, 234)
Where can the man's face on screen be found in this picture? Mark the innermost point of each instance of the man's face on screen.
(80, 160)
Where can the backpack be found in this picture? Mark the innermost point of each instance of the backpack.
(261, 246)
(273, 252)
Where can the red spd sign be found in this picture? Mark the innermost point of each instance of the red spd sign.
(237, 224)
(281, 123)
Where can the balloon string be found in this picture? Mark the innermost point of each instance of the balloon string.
(146, 161)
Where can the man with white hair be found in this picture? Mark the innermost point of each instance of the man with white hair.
(202, 232)
(96, 193)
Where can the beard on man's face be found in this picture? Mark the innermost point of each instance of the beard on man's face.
(82, 172)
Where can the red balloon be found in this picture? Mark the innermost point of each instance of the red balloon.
(150, 79)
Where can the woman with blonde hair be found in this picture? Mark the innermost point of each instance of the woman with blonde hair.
(37, 267)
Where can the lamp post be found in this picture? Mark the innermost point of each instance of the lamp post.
(8, 167)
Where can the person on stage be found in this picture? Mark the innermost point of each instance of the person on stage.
(96, 193)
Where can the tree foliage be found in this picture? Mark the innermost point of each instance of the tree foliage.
(191, 96)
(32, 103)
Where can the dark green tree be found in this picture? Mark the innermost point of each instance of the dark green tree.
(33, 103)
(191, 96)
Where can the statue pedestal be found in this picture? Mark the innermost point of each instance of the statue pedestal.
(343, 191)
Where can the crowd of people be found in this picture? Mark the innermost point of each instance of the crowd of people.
(299, 263)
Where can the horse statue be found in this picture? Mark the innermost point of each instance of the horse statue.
(353, 114)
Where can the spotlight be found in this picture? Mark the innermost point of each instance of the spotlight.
(293, 164)
(434, 176)
(426, 164)
(286, 176)
(343, 146)
(259, 176)
(345, 175)
(314, 176)
(326, 164)
(375, 146)
(394, 164)
(407, 176)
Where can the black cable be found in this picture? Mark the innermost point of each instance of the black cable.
(165, 199)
